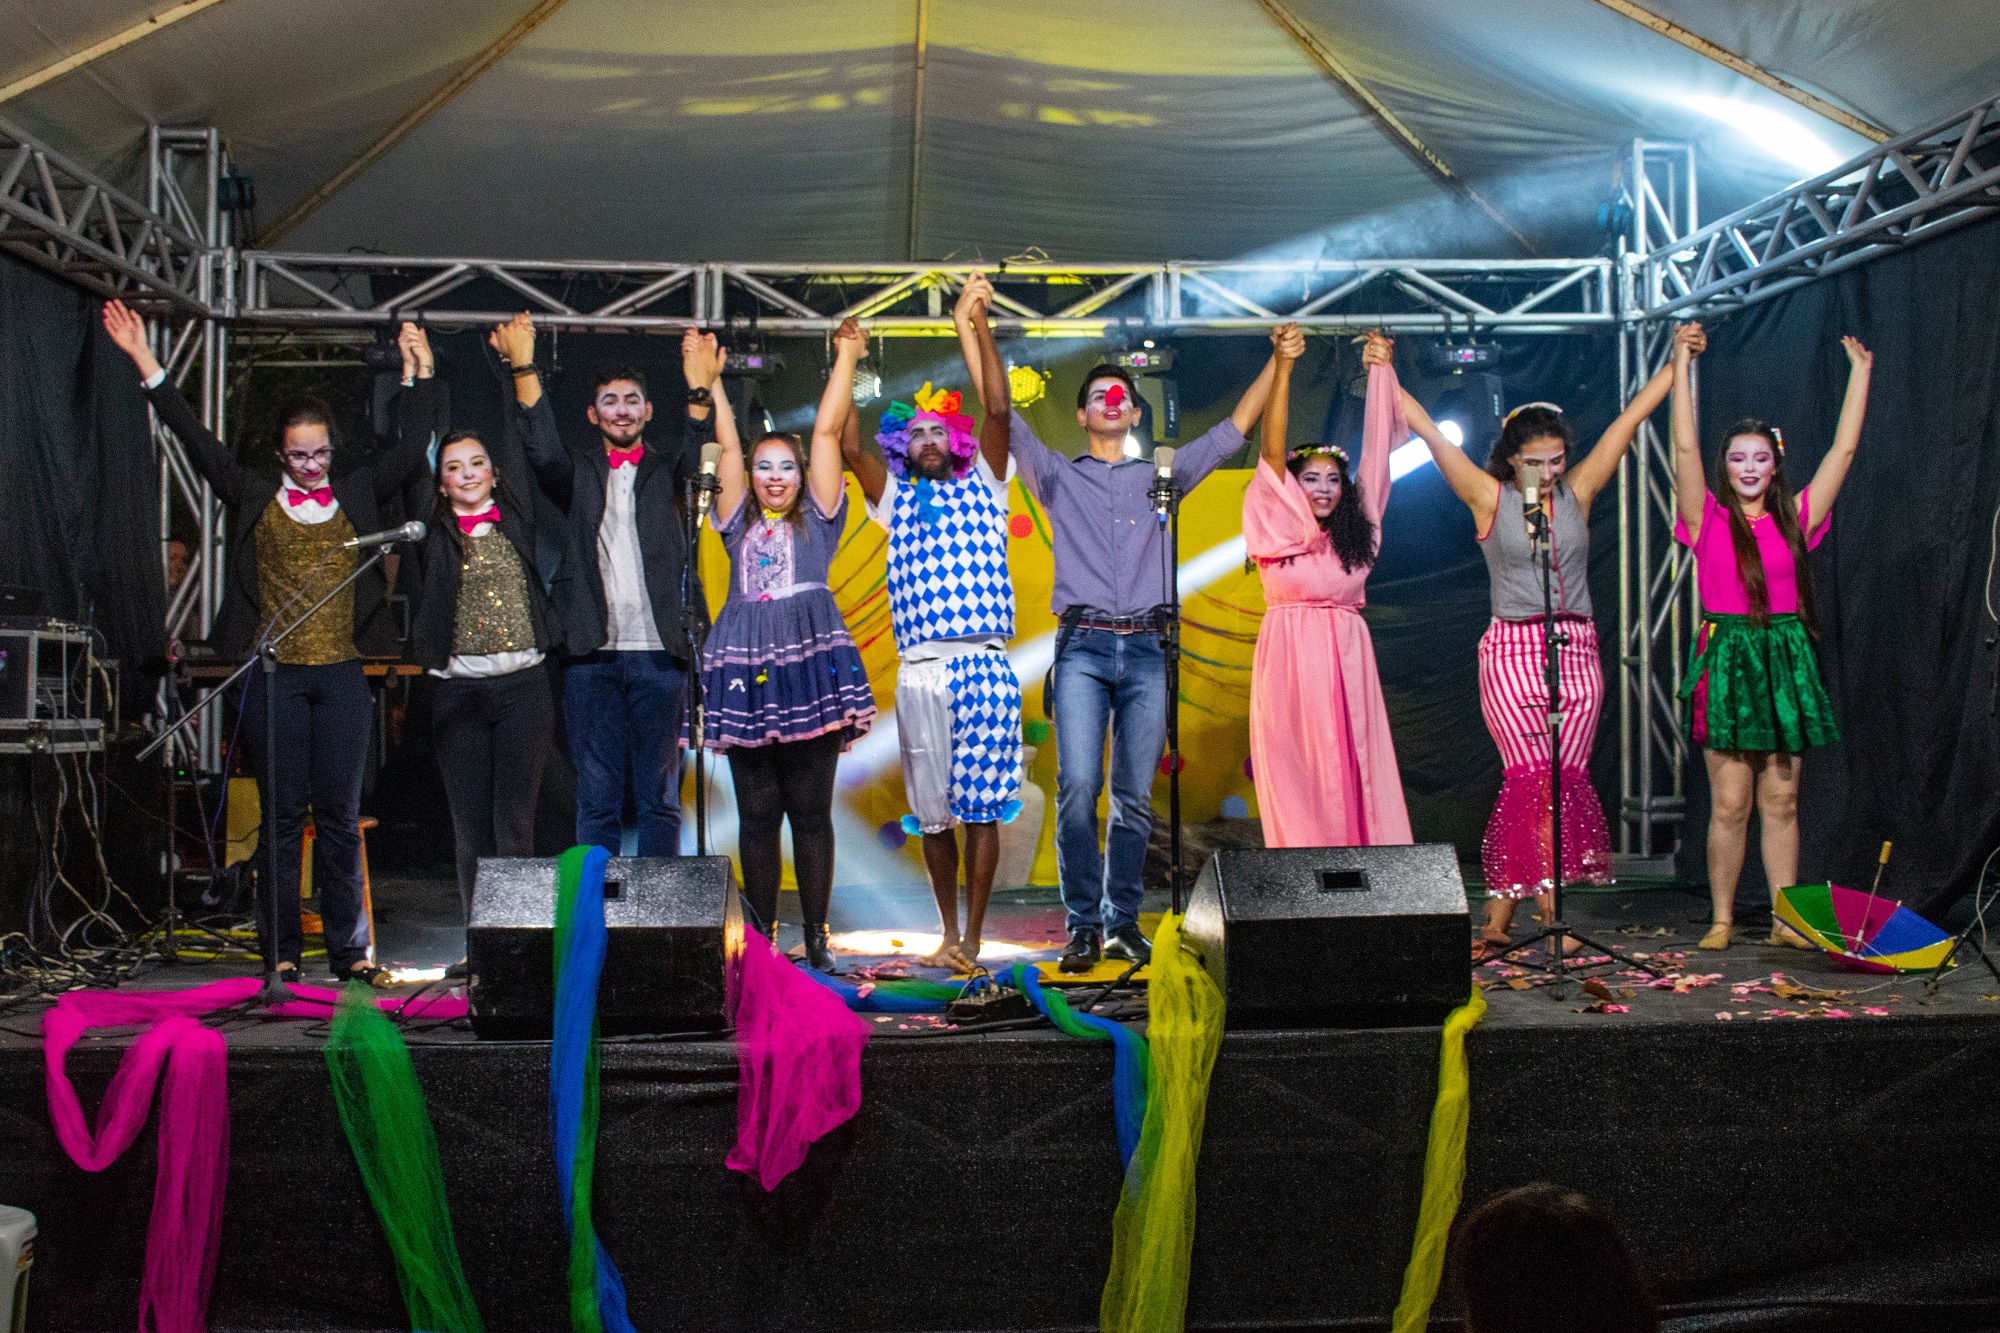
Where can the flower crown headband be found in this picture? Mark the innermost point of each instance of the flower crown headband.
(894, 432)
(1308, 450)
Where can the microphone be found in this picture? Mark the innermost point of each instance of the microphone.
(706, 485)
(1162, 493)
(1532, 482)
(409, 532)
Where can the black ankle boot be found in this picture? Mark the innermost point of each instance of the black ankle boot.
(819, 953)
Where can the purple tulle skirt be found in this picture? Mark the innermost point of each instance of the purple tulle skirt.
(1515, 854)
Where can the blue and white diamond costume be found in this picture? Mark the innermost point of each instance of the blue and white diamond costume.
(951, 605)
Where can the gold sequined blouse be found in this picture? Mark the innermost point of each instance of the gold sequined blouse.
(292, 556)
(492, 599)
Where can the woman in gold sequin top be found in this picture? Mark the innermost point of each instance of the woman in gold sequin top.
(482, 627)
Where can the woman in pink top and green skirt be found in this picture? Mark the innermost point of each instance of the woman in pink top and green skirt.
(1319, 731)
(1755, 696)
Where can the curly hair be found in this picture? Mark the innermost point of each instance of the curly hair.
(1348, 526)
(894, 433)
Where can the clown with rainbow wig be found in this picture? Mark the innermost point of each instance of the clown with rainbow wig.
(940, 491)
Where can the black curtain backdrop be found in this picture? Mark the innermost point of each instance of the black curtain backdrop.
(80, 506)
(1900, 579)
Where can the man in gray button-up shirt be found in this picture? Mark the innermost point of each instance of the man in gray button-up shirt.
(1111, 673)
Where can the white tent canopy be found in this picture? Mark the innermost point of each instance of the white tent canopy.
(790, 130)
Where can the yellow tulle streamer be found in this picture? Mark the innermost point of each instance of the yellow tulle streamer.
(1152, 1236)
(1444, 1171)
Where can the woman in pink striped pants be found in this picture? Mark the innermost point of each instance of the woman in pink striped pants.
(1517, 855)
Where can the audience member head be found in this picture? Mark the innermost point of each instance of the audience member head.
(1542, 1259)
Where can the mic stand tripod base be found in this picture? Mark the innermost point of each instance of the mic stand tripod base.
(1558, 966)
(274, 992)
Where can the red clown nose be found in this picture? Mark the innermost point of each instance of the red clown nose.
(1113, 397)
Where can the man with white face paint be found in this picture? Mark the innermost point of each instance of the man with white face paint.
(618, 593)
(1110, 671)
(941, 495)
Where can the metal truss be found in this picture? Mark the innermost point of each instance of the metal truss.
(58, 216)
(914, 300)
(183, 171)
(1906, 190)
(1657, 609)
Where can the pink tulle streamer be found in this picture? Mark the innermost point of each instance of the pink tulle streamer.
(320, 1001)
(798, 1055)
(1515, 854)
(186, 1226)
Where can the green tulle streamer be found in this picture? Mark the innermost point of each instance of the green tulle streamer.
(1444, 1171)
(382, 1111)
(1152, 1236)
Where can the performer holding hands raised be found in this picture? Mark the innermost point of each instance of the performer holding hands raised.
(1754, 689)
(1320, 748)
(785, 687)
(1533, 448)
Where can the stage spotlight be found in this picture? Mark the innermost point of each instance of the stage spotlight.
(1132, 446)
(1771, 130)
(1026, 385)
(867, 386)
(1454, 432)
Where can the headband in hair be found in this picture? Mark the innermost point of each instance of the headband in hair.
(1553, 407)
(1778, 438)
(1308, 450)
(894, 435)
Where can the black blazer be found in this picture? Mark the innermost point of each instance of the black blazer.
(424, 414)
(575, 479)
(248, 491)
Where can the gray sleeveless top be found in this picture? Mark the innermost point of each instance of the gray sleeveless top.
(1517, 575)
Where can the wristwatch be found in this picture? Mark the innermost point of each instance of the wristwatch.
(699, 396)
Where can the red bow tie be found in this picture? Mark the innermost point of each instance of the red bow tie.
(621, 457)
(322, 495)
(467, 522)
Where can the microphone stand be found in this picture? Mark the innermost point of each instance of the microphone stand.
(694, 617)
(265, 652)
(1166, 497)
(1541, 535)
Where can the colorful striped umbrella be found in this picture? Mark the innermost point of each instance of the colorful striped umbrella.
(1861, 930)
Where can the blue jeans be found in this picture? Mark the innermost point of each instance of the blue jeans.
(323, 716)
(1116, 682)
(623, 713)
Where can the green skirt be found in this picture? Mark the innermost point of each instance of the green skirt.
(1756, 689)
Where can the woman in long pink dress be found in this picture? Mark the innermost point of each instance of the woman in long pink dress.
(1320, 750)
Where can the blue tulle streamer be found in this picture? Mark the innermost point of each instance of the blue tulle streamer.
(597, 1292)
(1131, 1067)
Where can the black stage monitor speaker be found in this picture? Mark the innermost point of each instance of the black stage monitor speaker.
(675, 924)
(1333, 936)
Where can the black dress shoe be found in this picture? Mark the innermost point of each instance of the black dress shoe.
(819, 953)
(1127, 945)
(1083, 952)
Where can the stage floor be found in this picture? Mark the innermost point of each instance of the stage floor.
(1803, 1171)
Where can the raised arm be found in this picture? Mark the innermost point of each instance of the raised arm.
(869, 469)
(1287, 345)
(1473, 484)
(1383, 426)
(836, 404)
(996, 405)
(1590, 476)
(423, 415)
(1250, 407)
(732, 478)
(976, 294)
(514, 342)
(1826, 482)
(1690, 486)
(230, 480)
